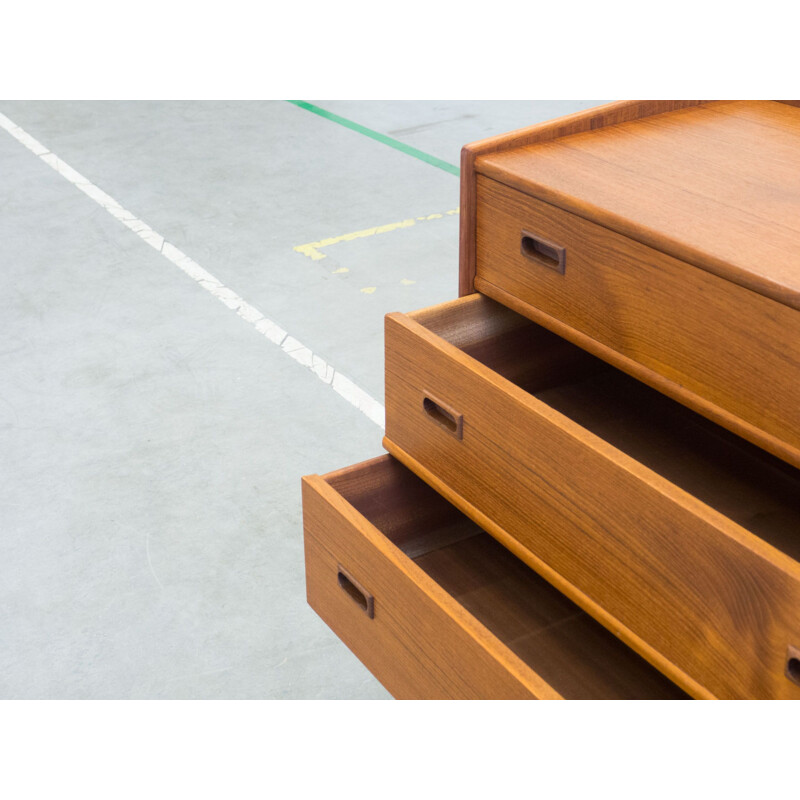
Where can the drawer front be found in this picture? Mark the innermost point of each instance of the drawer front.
(708, 602)
(418, 642)
(727, 352)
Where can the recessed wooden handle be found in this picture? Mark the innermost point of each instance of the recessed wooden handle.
(443, 415)
(543, 252)
(356, 592)
(793, 664)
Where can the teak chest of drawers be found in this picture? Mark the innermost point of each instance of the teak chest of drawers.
(592, 488)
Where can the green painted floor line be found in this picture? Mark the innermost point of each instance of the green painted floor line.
(379, 137)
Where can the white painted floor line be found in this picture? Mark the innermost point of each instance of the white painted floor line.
(340, 384)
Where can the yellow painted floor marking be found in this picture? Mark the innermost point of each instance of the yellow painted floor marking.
(406, 282)
(313, 249)
(368, 289)
(340, 270)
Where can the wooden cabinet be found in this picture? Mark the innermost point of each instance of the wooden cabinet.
(680, 230)
(610, 425)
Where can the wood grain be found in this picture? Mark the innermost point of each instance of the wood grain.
(723, 350)
(465, 619)
(713, 604)
(588, 120)
(420, 644)
(717, 186)
(573, 653)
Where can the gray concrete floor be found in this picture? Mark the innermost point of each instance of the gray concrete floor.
(153, 441)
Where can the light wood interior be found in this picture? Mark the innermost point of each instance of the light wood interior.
(751, 487)
(567, 648)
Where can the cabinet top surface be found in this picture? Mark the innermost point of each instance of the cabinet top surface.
(717, 185)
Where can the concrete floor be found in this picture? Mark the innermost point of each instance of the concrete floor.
(153, 440)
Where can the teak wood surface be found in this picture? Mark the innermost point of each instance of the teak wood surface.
(699, 595)
(420, 643)
(728, 352)
(712, 183)
(588, 120)
(455, 614)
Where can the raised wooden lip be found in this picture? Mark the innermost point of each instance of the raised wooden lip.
(581, 122)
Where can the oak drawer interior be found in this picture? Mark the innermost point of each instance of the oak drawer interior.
(577, 656)
(754, 489)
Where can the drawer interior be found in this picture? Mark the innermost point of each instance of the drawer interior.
(572, 652)
(751, 487)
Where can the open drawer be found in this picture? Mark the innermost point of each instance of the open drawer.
(436, 608)
(678, 536)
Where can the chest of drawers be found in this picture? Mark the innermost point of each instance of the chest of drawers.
(610, 425)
